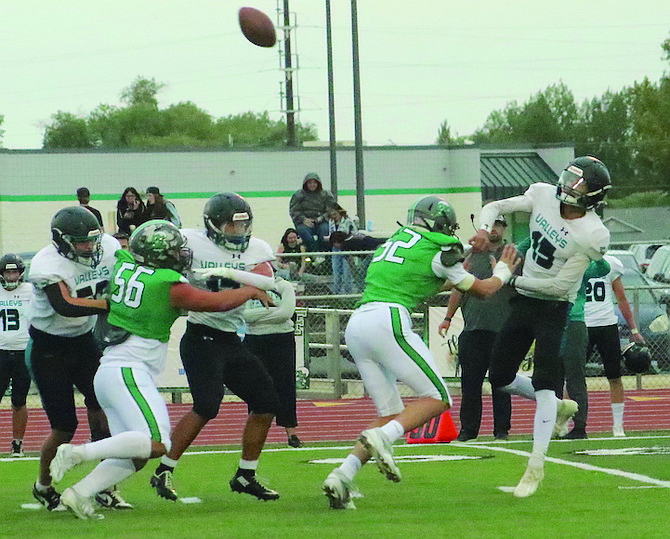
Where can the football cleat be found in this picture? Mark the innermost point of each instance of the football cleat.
(339, 490)
(250, 485)
(162, 482)
(111, 499)
(79, 505)
(66, 458)
(17, 448)
(530, 481)
(294, 441)
(564, 412)
(376, 442)
(48, 498)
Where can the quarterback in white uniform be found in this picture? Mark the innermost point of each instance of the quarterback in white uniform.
(15, 296)
(602, 324)
(566, 234)
(68, 278)
(224, 255)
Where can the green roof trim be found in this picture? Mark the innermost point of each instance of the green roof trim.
(509, 174)
(248, 194)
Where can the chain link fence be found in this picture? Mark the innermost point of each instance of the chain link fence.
(326, 313)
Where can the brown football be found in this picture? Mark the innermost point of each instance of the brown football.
(257, 27)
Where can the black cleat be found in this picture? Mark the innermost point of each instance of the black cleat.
(162, 482)
(575, 434)
(294, 441)
(111, 499)
(49, 499)
(250, 485)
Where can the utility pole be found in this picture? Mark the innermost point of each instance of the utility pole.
(288, 75)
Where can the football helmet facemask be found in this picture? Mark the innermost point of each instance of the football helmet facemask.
(434, 214)
(636, 358)
(159, 244)
(228, 221)
(10, 261)
(584, 183)
(76, 233)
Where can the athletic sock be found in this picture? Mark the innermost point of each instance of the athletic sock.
(393, 430)
(545, 419)
(350, 466)
(125, 445)
(105, 475)
(617, 413)
(167, 463)
(521, 385)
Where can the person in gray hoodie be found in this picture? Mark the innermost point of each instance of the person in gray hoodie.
(309, 211)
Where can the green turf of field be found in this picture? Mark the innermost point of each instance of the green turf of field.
(621, 492)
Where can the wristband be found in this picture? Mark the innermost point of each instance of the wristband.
(502, 271)
(634, 331)
(447, 318)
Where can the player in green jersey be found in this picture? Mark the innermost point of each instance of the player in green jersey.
(148, 293)
(418, 261)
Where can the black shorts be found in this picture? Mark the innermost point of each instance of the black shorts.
(213, 359)
(56, 364)
(13, 368)
(605, 339)
(542, 321)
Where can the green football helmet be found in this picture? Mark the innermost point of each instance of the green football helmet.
(434, 214)
(159, 244)
(76, 225)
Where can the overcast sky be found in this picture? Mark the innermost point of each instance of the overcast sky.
(421, 62)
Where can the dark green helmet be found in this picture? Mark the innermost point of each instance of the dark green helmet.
(228, 221)
(76, 225)
(10, 261)
(433, 213)
(159, 244)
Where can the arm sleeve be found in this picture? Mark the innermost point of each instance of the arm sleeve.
(65, 307)
(294, 209)
(278, 314)
(559, 285)
(597, 269)
(455, 274)
(490, 212)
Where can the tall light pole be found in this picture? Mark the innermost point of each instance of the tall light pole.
(331, 104)
(358, 129)
(288, 75)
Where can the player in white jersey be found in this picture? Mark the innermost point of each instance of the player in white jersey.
(15, 296)
(224, 255)
(68, 277)
(602, 324)
(566, 234)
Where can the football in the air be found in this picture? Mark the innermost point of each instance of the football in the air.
(257, 27)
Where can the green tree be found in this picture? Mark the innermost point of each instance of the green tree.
(67, 131)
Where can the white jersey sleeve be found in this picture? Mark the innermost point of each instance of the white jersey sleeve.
(206, 254)
(456, 274)
(599, 306)
(491, 211)
(49, 267)
(14, 305)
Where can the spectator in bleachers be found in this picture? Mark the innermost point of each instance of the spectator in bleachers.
(309, 212)
(159, 207)
(340, 227)
(291, 268)
(130, 211)
(84, 197)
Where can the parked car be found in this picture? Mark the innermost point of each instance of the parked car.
(659, 265)
(643, 252)
(652, 320)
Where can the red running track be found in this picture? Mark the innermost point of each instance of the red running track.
(342, 420)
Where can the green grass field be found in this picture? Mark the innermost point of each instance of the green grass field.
(599, 487)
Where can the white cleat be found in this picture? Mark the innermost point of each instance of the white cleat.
(530, 481)
(79, 505)
(339, 490)
(376, 442)
(66, 458)
(566, 409)
(617, 431)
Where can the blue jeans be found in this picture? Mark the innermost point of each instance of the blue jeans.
(307, 234)
(342, 281)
